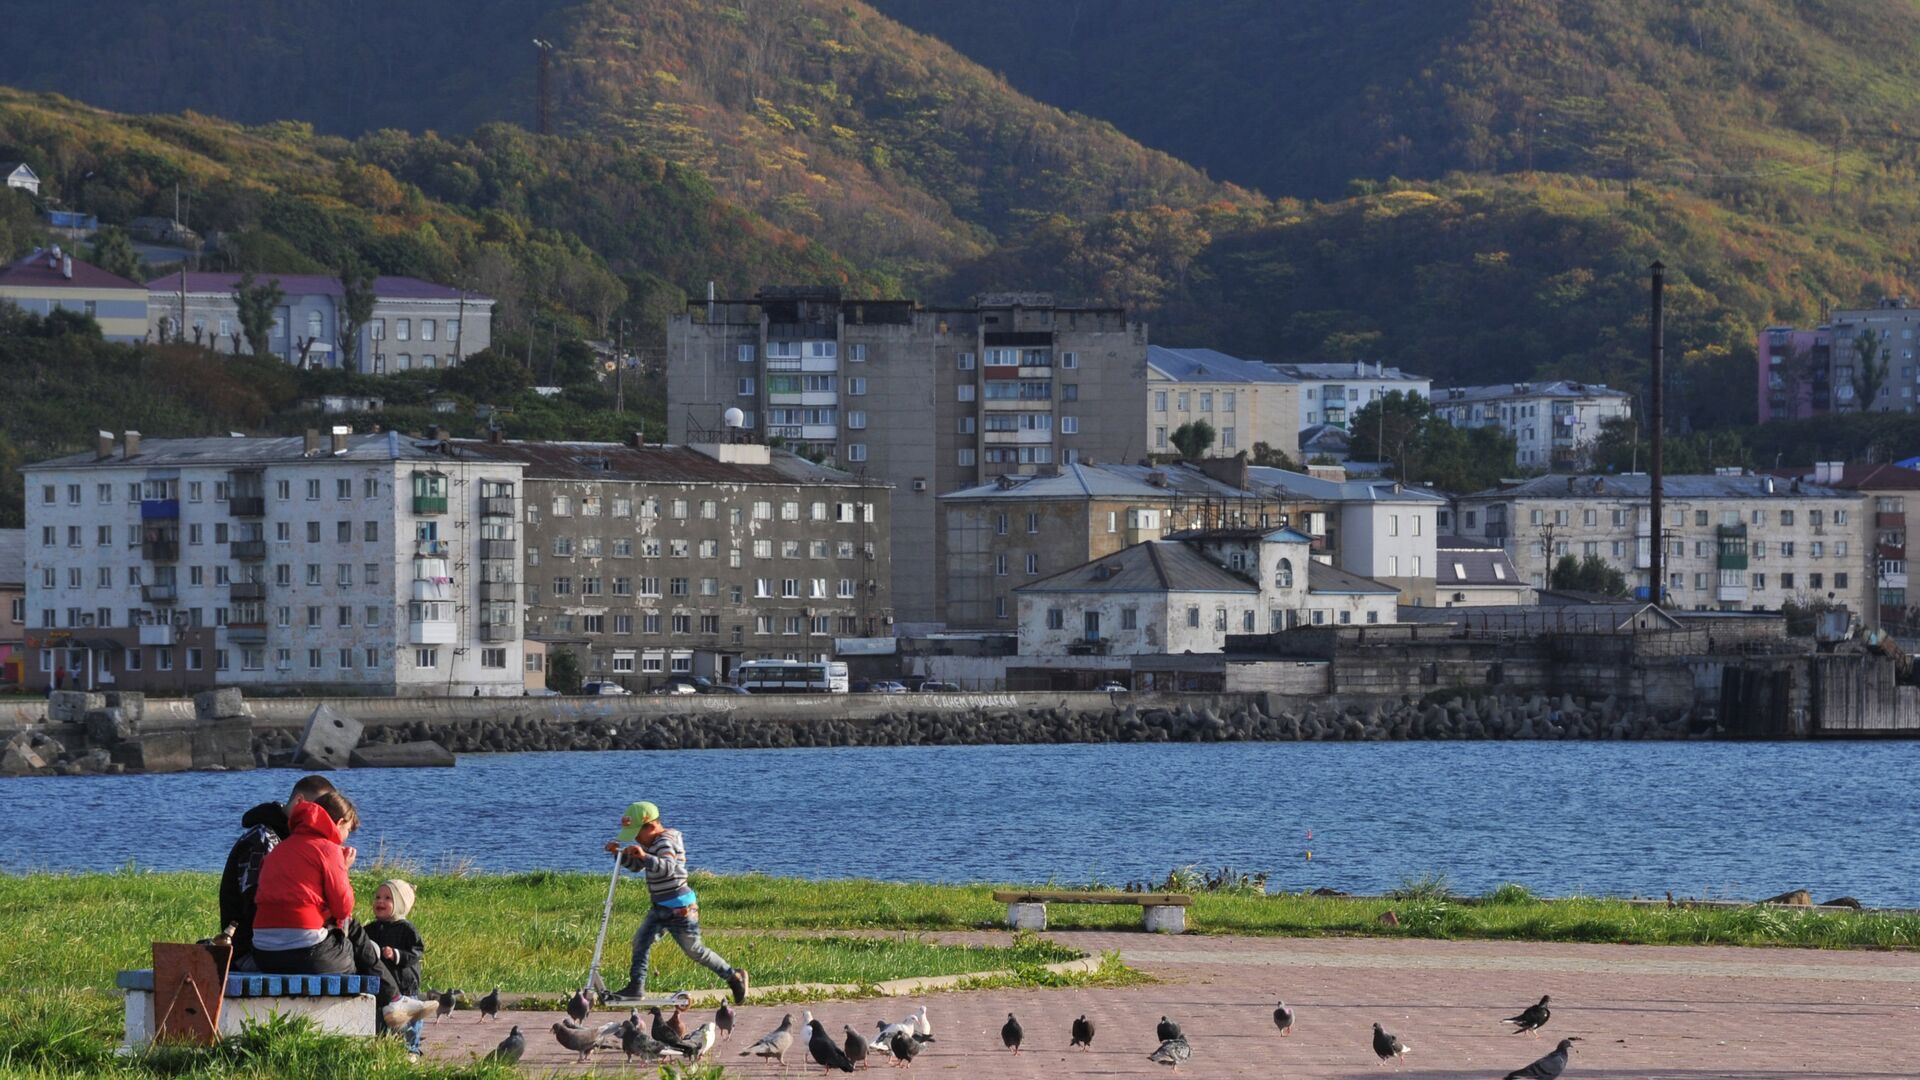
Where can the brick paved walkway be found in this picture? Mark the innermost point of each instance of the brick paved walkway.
(1644, 1013)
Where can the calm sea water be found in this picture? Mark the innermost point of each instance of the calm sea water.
(1723, 819)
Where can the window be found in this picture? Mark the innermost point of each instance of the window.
(964, 458)
(964, 391)
(856, 451)
(1070, 425)
(1193, 617)
(856, 386)
(1283, 574)
(1033, 565)
(1000, 565)
(1056, 619)
(426, 658)
(1070, 359)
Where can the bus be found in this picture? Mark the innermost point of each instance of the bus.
(792, 677)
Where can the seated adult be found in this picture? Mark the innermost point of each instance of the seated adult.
(265, 825)
(304, 903)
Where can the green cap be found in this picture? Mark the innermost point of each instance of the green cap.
(637, 814)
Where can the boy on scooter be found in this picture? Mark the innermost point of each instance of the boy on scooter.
(661, 854)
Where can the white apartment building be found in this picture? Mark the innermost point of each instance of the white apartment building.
(1553, 424)
(1374, 527)
(1246, 403)
(1733, 543)
(1332, 393)
(1187, 593)
(349, 564)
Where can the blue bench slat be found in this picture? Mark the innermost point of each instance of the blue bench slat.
(251, 985)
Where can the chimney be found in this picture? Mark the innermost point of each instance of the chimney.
(311, 446)
(495, 435)
(105, 448)
(66, 267)
(340, 440)
(636, 439)
(132, 440)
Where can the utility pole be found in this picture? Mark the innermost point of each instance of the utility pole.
(1656, 547)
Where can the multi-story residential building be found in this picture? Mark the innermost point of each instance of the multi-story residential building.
(1887, 487)
(653, 561)
(1188, 592)
(53, 280)
(13, 602)
(1245, 402)
(1811, 372)
(344, 565)
(1374, 527)
(923, 399)
(415, 324)
(1332, 393)
(1733, 543)
(1553, 424)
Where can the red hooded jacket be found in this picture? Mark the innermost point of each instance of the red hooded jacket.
(303, 880)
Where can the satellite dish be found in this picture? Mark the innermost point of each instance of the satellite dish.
(733, 418)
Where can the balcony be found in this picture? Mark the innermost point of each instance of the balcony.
(248, 550)
(159, 594)
(160, 550)
(496, 506)
(1731, 594)
(499, 632)
(424, 589)
(500, 590)
(159, 509)
(246, 631)
(157, 634)
(432, 633)
(496, 549)
(247, 590)
(431, 549)
(429, 504)
(1890, 519)
(247, 505)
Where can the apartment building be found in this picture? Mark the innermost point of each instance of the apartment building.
(1246, 403)
(1331, 394)
(654, 561)
(1553, 424)
(53, 280)
(13, 602)
(1887, 487)
(1186, 593)
(922, 399)
(1374, 527)
(415, 325)
(341, 564)
(1732, 542)
(1813, 372)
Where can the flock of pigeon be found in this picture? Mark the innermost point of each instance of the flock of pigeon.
(900, 1041)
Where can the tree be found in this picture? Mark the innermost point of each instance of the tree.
(1384, 428)
(1591, 574)
(1193, 439)
(563, 671)
(257, 303)
(113, 252)
(1870, 368)
(488, 376)
(356, 307)
(1265, 456)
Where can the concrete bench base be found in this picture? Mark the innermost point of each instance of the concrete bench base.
(1154, 920)
(336, 1004)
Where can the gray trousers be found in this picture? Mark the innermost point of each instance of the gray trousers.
(684, 925)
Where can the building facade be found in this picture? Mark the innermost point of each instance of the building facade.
(1373, 527)
(1732, 543)
(1887, 488)
(1332, 393)
(19, 176)
(1246, 403)
(13, 603)
(415, 325)
(1813, 372)
(654, 561)
(1476, 573)
(53, 280)
(923, 399)
(341, 564)
(1553, 424)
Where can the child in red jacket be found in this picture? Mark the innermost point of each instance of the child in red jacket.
(304, 902)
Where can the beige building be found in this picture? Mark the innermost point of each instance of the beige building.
(1732, 543)
(1246, 403)
(1553, 425)
(52, 280)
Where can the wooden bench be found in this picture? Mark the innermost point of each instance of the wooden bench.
(341, 1004)
(1161, 913)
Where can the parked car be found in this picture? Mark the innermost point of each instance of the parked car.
(675, 688)
(1114, 688)
(934, 686)
(700, 683)
(541, 691)
(610, 689)
(728, 688)
(886, 686)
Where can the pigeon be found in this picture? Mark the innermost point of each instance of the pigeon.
(1167, 1029)
(855, 1046)
(904, 1048)
(632, 1022)
(723, 1020)
(580, 1040)
(773, 1044)
(490, 1005)
(1172, 1051)
(510, 1048)
(1549, 1067)
(922, 1030)
(675, 1024)
(1082, 1033)
(402, 1011)
(635, 1043)
(446, 1004)
(702, 1039)
(1533, 1018)
(1388, 1046)
(663, 1032)
(824, 1051)
(1010, 1033)
(579, 1006)
(1283, 1018)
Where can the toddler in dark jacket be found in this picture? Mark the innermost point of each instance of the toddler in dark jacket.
(400, 947)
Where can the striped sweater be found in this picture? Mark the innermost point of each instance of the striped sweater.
(665, 864)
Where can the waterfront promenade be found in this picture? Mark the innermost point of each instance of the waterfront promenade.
(1642, 1012)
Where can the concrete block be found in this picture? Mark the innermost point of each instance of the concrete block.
(108, 726)
(407, 755)
(72, 706)
(1027, 916)
(329, 740)
(355, 1015)
(132, 705)
(227, 744)
(159, 752)
(19, 759)
(1164, 920)
(222, 704)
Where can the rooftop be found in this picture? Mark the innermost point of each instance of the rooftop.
(386, 288)
(1462, 567)
(43, 270)
(1207, 365)
(1639, 485)
(1081, 480)
(242, 451)
(1354, 369)
(1861, 476)
(1534, 619)
(1150, 566)
(1561, 388)
(1327, 579)
(1294, 485)
(654, 464)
